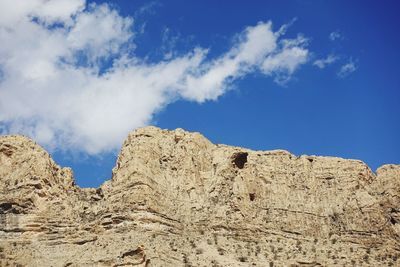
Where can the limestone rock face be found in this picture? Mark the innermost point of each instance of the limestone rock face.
(176, 199)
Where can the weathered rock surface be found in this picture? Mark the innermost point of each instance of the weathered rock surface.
(175, 199)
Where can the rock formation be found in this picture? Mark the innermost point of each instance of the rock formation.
(175, 199)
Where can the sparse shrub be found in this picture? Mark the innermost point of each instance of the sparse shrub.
(215, 239)
(242, 259)
(214, 263)
(199, 251)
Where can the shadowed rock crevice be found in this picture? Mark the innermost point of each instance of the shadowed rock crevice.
(252, 196)
(239, 159)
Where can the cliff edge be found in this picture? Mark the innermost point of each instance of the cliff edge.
(176, 199)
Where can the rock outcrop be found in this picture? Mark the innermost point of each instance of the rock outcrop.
(175, 199)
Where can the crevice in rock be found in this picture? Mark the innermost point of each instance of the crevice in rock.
(239, 159)
(9, 208)
(84, 241)
(7, 149)
(138, 251)
(252, 196)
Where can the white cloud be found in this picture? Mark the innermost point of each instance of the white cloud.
(336, 35)
(323, 62)
(57, 84)
(285, 60)
(347, 69)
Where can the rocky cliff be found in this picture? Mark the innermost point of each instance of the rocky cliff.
(175, 199)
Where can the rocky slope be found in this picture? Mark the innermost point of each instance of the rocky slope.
(175, 199)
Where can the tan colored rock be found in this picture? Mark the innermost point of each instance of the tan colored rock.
(175, 199)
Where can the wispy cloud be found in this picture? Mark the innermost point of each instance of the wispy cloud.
(323, 62)
(148, 8)
(336, 35)
(70, 77)
(285, 61)
(347, 69)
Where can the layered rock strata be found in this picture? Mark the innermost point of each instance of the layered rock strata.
(176, 199)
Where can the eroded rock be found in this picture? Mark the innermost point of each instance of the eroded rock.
(176, 199)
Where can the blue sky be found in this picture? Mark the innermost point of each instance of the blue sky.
(341, 98)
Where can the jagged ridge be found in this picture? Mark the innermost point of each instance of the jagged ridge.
(175, 199)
